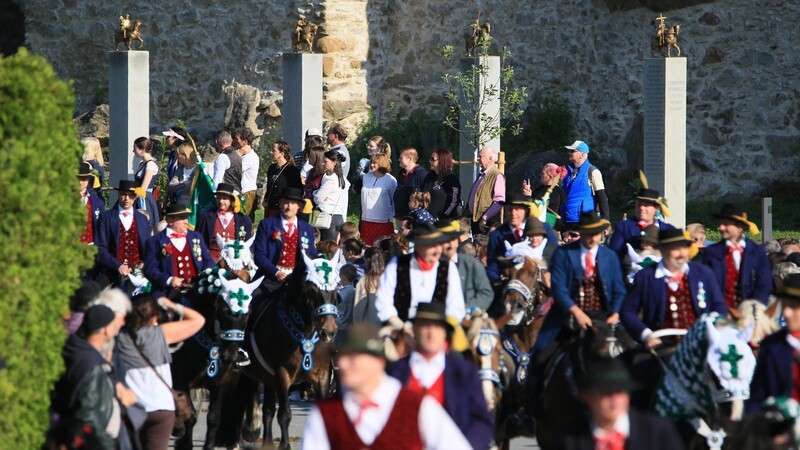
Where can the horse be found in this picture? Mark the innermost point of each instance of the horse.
(485, 351)
(763, 319)
(128, 35)
(707, 380)
(291, 340)
(666, 40)
(212, 357)
(526, 301)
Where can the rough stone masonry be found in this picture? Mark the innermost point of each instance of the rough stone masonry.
(743, 113)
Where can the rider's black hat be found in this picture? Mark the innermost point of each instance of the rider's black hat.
(605, 377)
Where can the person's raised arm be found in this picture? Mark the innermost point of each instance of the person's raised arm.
(189, 323)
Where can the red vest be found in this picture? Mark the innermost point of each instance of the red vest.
(591, 293)
(128, 244)
(679, 313)
(228, 234)
(88, 236)
(436, 390)
(731, 281)
(289, 252)
(182, 262)
(401, 431)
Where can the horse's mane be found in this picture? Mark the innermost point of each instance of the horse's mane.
(684, 377)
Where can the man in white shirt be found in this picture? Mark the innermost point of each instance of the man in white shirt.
(243, 140)
(374, 410)
(228, 165)
(336, 136)
(447, 377)
(420, 277)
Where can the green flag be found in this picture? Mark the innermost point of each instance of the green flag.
(201, 195)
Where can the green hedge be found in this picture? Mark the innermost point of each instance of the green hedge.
(40, 256)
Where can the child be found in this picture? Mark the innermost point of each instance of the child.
(347, 231)
(353, 250)
(347, 295)
(417, 205)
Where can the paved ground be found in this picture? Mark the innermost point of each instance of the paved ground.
(299, 414)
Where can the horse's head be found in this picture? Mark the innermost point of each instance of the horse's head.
(763, 319)
(484, 340)
(730, 360)
(232, 309)
(320, 290)
(236, 257)
(522, 294)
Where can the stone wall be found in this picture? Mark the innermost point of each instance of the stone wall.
(743, 129)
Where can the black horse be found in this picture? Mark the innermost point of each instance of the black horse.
(290, 340)
(209, 359)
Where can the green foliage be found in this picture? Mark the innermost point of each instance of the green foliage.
(40, 252)
(468, 96)
(551, 125)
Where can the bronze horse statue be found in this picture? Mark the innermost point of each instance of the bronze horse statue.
(303, 36)
(128, 34)
(290, 340)
(665, 39)
(480, 38)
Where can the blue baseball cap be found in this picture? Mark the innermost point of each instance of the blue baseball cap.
(579, 146)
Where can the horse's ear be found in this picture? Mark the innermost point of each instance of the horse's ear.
(249, 243)
(254, 285)
(338, 259)
(220, 241)
(711, 330)
(773, 308)
(226, 285)
(746, 334)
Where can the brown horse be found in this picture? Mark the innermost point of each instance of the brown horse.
(129, 35)
(526, 300)
(289, 340)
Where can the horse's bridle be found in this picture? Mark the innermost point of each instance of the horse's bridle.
(515, 285)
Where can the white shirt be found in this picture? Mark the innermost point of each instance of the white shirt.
(179, 243)
(424, 370)
(593, 251)
(221, 164)
(437, 429)
(422, 286)
(622, 426)
(737, 256)
(376, 198)
(250, 163)
(663, 272)
(126, 219)
(330, 198)
(285, 224)
(342, 149)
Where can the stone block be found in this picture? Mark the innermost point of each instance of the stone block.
(129, 109)
(302, 93)
(665, 131)
(330, 44)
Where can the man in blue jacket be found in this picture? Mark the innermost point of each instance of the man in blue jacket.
(740, 265)
(583, 186)
(631, 230)
(449, 379)
(280, 239)
(227, 221)
(120, 237)
(672, 294)
(176, 256)
(587, 281)
(778, 370)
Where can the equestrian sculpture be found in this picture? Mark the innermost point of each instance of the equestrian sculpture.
(128, 32)
(303, 35)
(479, 37)
(665, 38)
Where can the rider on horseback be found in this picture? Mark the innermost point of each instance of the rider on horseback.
(280, 239)
(420, 277)
(672, 294)
(587, 281)
(226, 221)
(176, 256)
